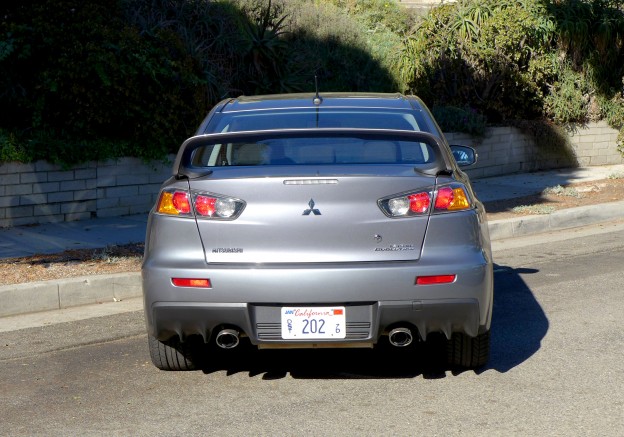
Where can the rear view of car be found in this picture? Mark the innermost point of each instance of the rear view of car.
(316, 237)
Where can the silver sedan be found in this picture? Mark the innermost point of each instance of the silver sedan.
(312, 237)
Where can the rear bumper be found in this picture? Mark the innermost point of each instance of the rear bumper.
(366, 323)
(377, 297)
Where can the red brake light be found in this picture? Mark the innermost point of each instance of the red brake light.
(436, 279)
(190, 282)
(205, 205)
(419, 202)
(444, 198)
(181, 202)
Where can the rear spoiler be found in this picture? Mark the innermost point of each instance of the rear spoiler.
(183, 168)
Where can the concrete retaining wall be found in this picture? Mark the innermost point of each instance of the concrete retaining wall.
(45, 193)
(42, 193)
(506, 150)
(595, 144)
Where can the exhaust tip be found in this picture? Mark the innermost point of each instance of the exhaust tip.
(400, 337)
(228, 338)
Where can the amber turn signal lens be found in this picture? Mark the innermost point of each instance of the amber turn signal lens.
(174, 203)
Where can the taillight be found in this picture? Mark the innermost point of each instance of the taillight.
(174, 203)
(206, 205)
(406, 204)
(451, 197)
(217, 207)
(419, 202)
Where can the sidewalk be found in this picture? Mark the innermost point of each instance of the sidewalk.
(97, 233)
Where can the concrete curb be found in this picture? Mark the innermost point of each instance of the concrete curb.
(65, 293)
(558, 220)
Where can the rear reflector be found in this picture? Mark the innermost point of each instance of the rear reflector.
(189, 282)
(437, 279)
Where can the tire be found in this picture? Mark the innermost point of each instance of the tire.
(172, 354)
(468, 352)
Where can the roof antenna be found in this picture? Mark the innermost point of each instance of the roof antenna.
(317, 99)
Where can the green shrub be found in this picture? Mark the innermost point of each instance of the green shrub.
(568, 98)
(613, 110)
(325, 40)
(11, 148)
(590, 34)
(87, 79)
(93, 79)
(80, 74)
(486, 54)
(453, 119)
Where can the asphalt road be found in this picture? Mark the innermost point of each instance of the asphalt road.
(557, 368)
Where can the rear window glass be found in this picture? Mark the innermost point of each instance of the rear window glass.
(311, 118)
(317, 150)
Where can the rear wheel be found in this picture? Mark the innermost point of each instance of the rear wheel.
(173, 354)
(468, 352)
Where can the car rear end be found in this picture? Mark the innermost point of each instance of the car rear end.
(317, 238)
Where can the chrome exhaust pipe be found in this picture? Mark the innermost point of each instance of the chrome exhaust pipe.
(227, 338)
(400, 337)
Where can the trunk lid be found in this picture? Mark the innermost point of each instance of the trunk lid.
(315, 215)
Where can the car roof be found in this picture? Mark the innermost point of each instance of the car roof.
(328, 100)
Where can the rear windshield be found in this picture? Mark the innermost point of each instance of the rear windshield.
(306, 118)
(316, 150)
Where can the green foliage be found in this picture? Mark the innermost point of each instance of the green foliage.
(325, 40)
(11, 148)
(80, 74)
(265, 50)
(591, 35)
(377, 15)
(454, 119)
(568, 99)
(87, 79)
(206, 32)
(486, 54)
(95, 79)
(613, 110)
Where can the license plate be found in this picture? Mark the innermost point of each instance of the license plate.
(311, 323)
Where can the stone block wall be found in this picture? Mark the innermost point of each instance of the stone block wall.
(506, 150)
(42, 193)
(594, 144)
(46, 193)
(503, 150)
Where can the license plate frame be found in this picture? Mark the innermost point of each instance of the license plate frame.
(313, 323)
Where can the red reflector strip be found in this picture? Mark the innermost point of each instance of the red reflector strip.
(189, 282)
(437, 279)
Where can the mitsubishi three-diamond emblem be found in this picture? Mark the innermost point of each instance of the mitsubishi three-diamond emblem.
(311, 209)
